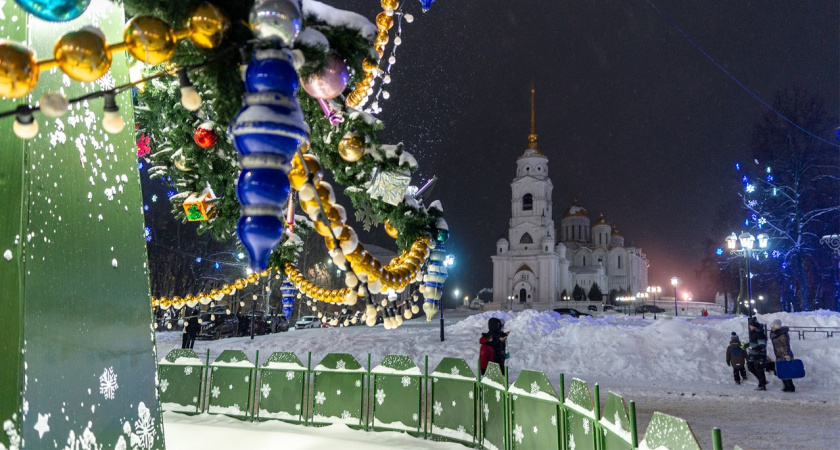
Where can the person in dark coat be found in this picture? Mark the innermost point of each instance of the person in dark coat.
(757, 352)
(736, 358)
(493, 340)
(191, 328)
(781, 348)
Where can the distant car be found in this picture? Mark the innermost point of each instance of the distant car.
(592, 308)
(650, 309)
(221, 325)
(608, 308)
(307, 322)
(261, 325)
(570, 312)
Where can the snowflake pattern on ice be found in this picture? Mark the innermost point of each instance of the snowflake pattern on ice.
(144, 429)
(164, 385)
(455, 371)
(518, 434)
(415, 417)
(536, 430)
(108, 383)
(554, 420)
(470, 395)
(215, 392)
(406, 381)
(535, 388)
(266, 389)
(289, 375)
(498, 396)
(188, 370)
(486, 411)
(345, 414)
(340, 365)
(438, 408)
(585, 426)
(380, 396)
(572, 444)
(320, 397)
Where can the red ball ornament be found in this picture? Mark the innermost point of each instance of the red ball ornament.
(205, 136)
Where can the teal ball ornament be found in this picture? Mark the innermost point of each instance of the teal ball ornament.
(442, 236)
(54, 10)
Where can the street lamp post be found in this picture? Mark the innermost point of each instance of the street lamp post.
(674, 282)
(643, 296)
(747, 241)
(653, 290)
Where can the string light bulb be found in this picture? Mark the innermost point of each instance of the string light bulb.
(397, 40)
(189, 96)
(112, 122)
(386, 79)
(386, 95)
(392, 59)
(409, 18)
(25, 126)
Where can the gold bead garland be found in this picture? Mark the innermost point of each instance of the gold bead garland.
(214, 294)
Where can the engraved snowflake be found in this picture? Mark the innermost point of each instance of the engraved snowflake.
(486, 411)
(455, 371)
(572, 444)
(188, 370)
(358, 383)
(338, 392)
(515, 397)
(340, 365)
(462, 429)
(406, 381)
(345, 414)
(415, 417)
(536, 430)
(164, 385)
(289, 375)
(297, 407)
(230, 387)
(106, 82)
(215, 391)
(535, 388)
(195, 399)
(470, 395)
(554, 420)
(144, 429)
(266, 389)
(585, 426)
(320, 397)
(453, 403)
(234, 360)
(380, 396)
(498, 396)
(108, 383)
(518, 434)
(247, 378)
(438, 408)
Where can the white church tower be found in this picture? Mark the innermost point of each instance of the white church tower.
(525, 266)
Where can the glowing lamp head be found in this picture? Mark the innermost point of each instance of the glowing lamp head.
(747, 240)
(675, 281)
(732, 242)
(763, 239)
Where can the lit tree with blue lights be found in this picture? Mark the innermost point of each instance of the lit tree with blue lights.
(790, 191)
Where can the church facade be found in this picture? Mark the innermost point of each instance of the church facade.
(537, 262)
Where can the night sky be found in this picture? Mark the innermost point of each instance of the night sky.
(636, 122)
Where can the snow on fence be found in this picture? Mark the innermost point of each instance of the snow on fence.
(452, 403)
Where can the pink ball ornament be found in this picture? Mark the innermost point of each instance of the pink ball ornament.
(330, 82)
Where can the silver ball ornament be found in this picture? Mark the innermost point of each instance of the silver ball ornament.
(275, 20)
(53, 104)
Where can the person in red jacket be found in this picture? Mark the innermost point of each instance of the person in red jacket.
(493, 345)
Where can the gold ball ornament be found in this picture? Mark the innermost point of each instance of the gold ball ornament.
(83, 55)
(369, 65)
(391, 230)
(226, 289)
(18, 70)
(208, 26)
(351, 148)
(253, 278)
(240, 284)
(381, 38)
(389, 4)
(149, 39)
(384, 21)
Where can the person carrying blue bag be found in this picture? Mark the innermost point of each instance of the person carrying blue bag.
(781, 347)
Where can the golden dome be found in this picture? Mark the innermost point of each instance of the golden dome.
(575, 211)
(601, 221)
(615, 232)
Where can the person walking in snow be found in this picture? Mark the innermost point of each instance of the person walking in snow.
(757, 352)
(736, 358)
(781, 347)
(493, 347)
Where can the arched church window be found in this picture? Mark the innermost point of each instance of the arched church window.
(526, 239)
(527, 202)
(619, 261)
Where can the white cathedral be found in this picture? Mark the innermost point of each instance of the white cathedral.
(535, 265)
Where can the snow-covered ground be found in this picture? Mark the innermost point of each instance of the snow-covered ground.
(673, 365)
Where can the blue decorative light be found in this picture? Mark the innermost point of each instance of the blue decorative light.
(769, 178)
(768, 169)
(737, 166)
(745, 179)
(217, 265)
(775, 253)
(145, 207)
(154, 198)
(746, 221)
(750, 188)
(139, 165)
(774, 192)
(198, 260)
(753, 217)
(719, 251)
(240, 255)
(147, 233)
(170, 193)
(426, 4)
(288, 290)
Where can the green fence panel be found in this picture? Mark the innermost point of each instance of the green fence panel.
(397, 385)
(454, 401)
(230, 384)
(180, 374)
(493, 409)
(282, 379)
(535, 412)
(580, 417)
(668, 432)
(616, 424)
(337, 386)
